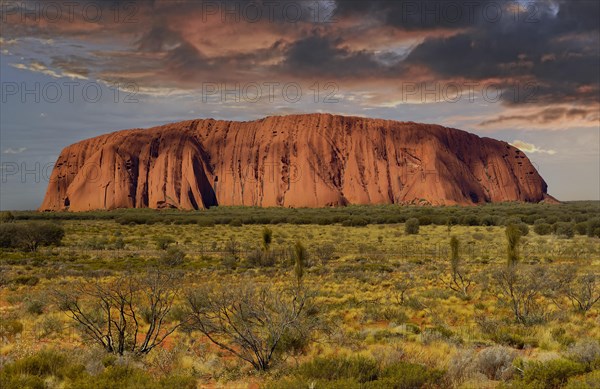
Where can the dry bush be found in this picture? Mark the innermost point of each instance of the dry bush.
(461, 366)
(586, 351)
(249, 321)
(124, 315)
(496, 362)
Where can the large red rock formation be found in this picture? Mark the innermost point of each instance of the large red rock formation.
(293, 161)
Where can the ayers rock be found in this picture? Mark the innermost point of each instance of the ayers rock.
(312, 160)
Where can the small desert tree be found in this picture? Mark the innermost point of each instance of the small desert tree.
(583, 291)
(520, 288)
(513, 238)
(30, 236)
(402, 287)
(247, 320)
(233, 248)
(125, 315)
(325, 252)
(458, 280)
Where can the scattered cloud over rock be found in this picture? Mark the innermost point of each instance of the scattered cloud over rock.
(530, 148)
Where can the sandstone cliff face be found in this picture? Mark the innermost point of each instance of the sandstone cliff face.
(293, 161)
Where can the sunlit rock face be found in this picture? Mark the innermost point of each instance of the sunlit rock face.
(310, 160)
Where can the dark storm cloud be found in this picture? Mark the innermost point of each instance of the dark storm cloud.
(553, 45)
(319, 55)
(558, 54)
(421, 14)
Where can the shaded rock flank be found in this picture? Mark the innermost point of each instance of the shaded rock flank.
(310, 160)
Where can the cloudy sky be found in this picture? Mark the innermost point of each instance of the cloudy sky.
(526, 72)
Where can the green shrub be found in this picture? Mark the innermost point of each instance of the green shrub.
(469, 220)
(26, 280)
(405, 375)
(524, 228)
(96, 243)
(126, 377)
(424, 220)
(565, 230)
(6, 217)
(359, 372)
(593, 229)
(359, 368)
(205, 222)
(411, 227)
(560, 335)
(267, 238)
(10, 328)
(581, 228)
(236, 223)
(21, 382)
(355, 222)
(163, 242)
(174, 256)
(50, 325)
(293, 342)
(179, 382)
(302, 383)
(551, 374)
(490, 220)
(508, 337)
(35, 306)
(590, 380)
(513, 238)
(115, 377)
(394, 315)
(29, 372)
(542, 228)
(119, 244)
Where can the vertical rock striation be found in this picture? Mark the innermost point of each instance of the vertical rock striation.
(310, 160)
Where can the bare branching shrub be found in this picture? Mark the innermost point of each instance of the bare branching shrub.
(249, 321)
(402, 287)
(520, 288)
(457, 278)
(233, 248)
(124, 315)
(584, 291)
(325, 252)
(260, 258)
